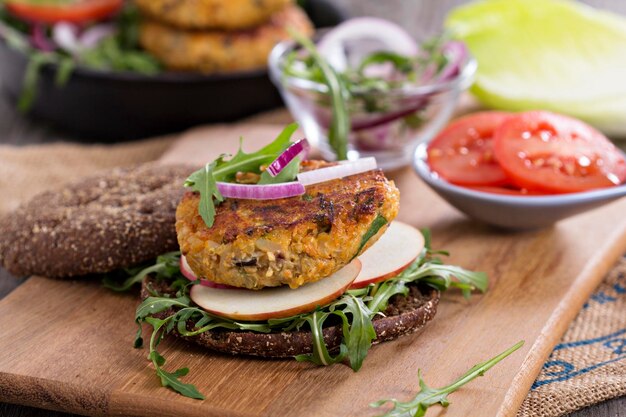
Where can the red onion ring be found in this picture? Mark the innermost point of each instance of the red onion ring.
(332, 46)
(39, 39)
(459, 53)
(92, 37)
(287, 156)
(66, 36)
(344, 169)
(261, 192)
(388, 117)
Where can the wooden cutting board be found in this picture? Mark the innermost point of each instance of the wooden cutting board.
(67, 345)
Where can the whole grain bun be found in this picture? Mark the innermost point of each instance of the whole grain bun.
(404, 315)
(99, 224)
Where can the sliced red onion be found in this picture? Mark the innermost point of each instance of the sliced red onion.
(185, 269)
(384, 118)
(66, 36)
(457, 54)
(391, 37)
(344, 169)
(261, 192)
(287, 156)
(39, 39)
(92, 37)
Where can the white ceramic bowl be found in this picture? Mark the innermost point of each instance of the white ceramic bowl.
(509, 211)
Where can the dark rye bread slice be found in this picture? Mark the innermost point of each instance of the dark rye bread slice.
(113, 220)
(404, 315)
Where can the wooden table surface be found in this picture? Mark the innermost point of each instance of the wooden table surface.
(421, 18)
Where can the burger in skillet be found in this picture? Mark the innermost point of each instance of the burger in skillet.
(282, 258)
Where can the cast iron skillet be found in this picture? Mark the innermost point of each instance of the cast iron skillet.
(114, 106)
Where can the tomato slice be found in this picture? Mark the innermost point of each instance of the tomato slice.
(554, 153)
(463, 152)
(75, 12)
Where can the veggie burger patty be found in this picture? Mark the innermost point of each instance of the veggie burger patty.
(293, 241)
(212, 14)
(216, 51)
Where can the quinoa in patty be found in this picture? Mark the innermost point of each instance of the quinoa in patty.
(292, 241)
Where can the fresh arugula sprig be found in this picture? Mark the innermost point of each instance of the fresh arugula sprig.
(182, 313)
(339, 96)
(427, 396)
(166, 266)
(430, 270)
(204, 181)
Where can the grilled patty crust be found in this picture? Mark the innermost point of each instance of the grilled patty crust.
(113, 220)
(212, 14)
(217, 51)
(292, 241)
(404, 315)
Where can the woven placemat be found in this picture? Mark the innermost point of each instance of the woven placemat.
(588, 366)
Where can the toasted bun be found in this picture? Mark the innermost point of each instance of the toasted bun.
(110, 221)
(404, 315)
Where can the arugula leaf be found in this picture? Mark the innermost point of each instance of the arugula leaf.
(287, 174)
(172, 380)
(109, 283)
(252, 162)
(320, 355)
(204, 181)
(427, 397)
(358, 331)
(382, 292)
(443, 277)
(168, 379)
(65, 68)
(375, 226)
(166, 266)
(401, 62)
(31, 78)
(154, 305)
(339, 96)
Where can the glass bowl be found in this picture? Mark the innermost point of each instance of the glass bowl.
(385, 124)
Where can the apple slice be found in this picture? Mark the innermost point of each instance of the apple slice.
(188, 273)
(277, 302)
(400, 245)
(185, 269)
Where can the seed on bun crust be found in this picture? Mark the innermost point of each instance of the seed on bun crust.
(404, 315)
(110, 221)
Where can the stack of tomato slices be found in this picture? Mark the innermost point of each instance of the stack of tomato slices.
(531, 153)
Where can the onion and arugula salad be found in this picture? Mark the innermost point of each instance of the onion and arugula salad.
(95, 34)
(369, 81)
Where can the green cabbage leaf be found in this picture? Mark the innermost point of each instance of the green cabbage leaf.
(556, 55)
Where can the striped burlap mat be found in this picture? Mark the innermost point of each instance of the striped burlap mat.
(588, 366)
